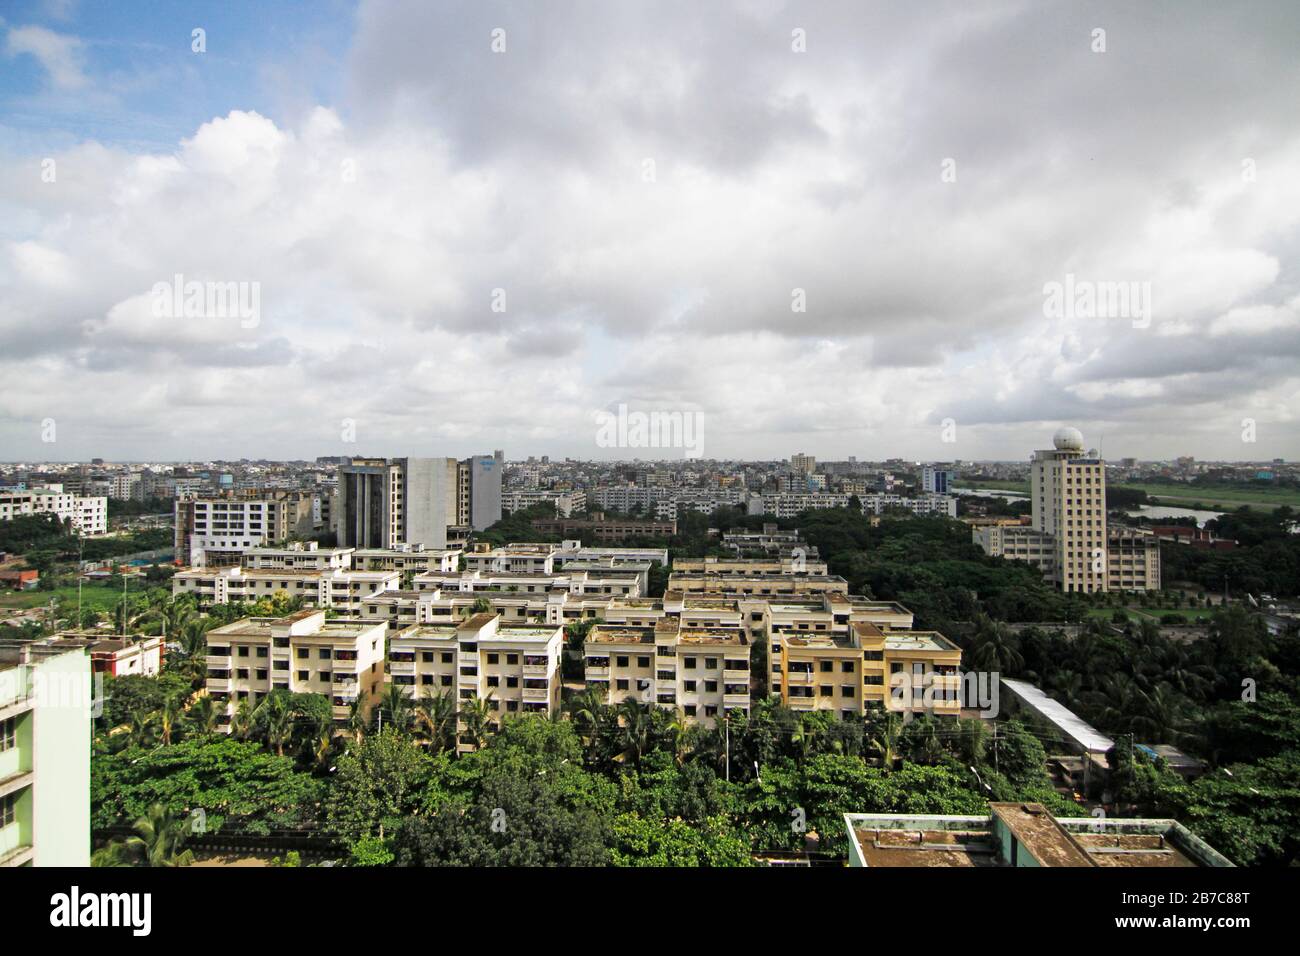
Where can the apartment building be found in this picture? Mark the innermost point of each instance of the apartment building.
(515, 668)
(335, 588)
(1132, 559)
(566, 503)
(86, 515)
(299, 556)
(600, 527)
(45, 716)
(701, 671)
(415, 560)
(302, 653)
(926, 504)
(936, 480)
(862, 666)
(743, 567)
(217, 530)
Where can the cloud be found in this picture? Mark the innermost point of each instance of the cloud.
(59, 54)
(667, 206)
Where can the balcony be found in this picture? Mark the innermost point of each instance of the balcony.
(736, 676)
(536, 694)
(799, 677)
(218, 684)
(220, 663)
(537, 670)
(401, 667)
(597, 673)
(735, 700)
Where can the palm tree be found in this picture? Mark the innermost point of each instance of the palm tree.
(356, 719)
(884, 740)
(159, 839)
(143, 728)
(682, 734)
(203, 715)
(276, 718)
(435, 715)
(169, 716)
(585, 710)
(323, 743)
(241, 724)
(396, 705)
(635, 734)
(475, 716)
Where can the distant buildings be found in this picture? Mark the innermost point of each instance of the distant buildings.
(216, 530)
(599, 527)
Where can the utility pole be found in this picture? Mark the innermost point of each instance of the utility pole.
(726, 724)
(81, 544)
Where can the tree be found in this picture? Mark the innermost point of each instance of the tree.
(377, 784)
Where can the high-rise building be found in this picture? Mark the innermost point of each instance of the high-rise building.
(389, 502)
(803, 464)
(936, 480)
(1068, 490)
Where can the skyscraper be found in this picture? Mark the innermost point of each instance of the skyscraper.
(1068, 491)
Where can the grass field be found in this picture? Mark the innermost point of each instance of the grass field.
(1223, 499)
(1215, 499)
(95, 596)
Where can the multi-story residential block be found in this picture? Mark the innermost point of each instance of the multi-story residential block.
(744, 567)
(803, 464)
(327, 588)
(303, 654)
(216, 531)
(299, 556)
(927, 504)
(703, 671)
(139, 654)
(600, 527)
(85, 515)
(567, 503)
(516, 669)
(405, 560)
(45, 718)
(853, 668)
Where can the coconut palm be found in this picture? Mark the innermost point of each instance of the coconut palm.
(203, 715)
(585, 710)
(169, 718)
(435, 716)
(355, 723)
(159, 839)
(475, 718)
(636, 727)
(241, 724)
(397, 707)
(275, 717)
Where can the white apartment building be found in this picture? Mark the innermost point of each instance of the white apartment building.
(218, 530)
(567, 503)
(87, 515)
(345, 591)
(516, 669)
(926, 504)
(302, 653)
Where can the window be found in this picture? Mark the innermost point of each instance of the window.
(493, 658)
(8, 809)
(8, 733)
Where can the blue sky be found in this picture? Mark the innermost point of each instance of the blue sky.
(146, 88)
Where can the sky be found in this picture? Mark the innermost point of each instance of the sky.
(839, 228)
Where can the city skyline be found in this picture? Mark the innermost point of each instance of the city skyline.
(844, 229)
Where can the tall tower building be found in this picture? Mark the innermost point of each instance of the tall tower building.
(1068, 488)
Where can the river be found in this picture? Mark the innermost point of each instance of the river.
(1142, 511)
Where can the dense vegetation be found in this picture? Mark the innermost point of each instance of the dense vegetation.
(44, 541)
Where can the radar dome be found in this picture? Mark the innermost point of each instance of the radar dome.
(1068, 439)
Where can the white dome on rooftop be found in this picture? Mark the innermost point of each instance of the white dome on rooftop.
(1068, 439)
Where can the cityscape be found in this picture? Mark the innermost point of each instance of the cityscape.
(765, 435)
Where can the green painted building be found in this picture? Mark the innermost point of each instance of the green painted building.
(45, 728)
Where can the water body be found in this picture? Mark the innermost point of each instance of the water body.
(1159, 512)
